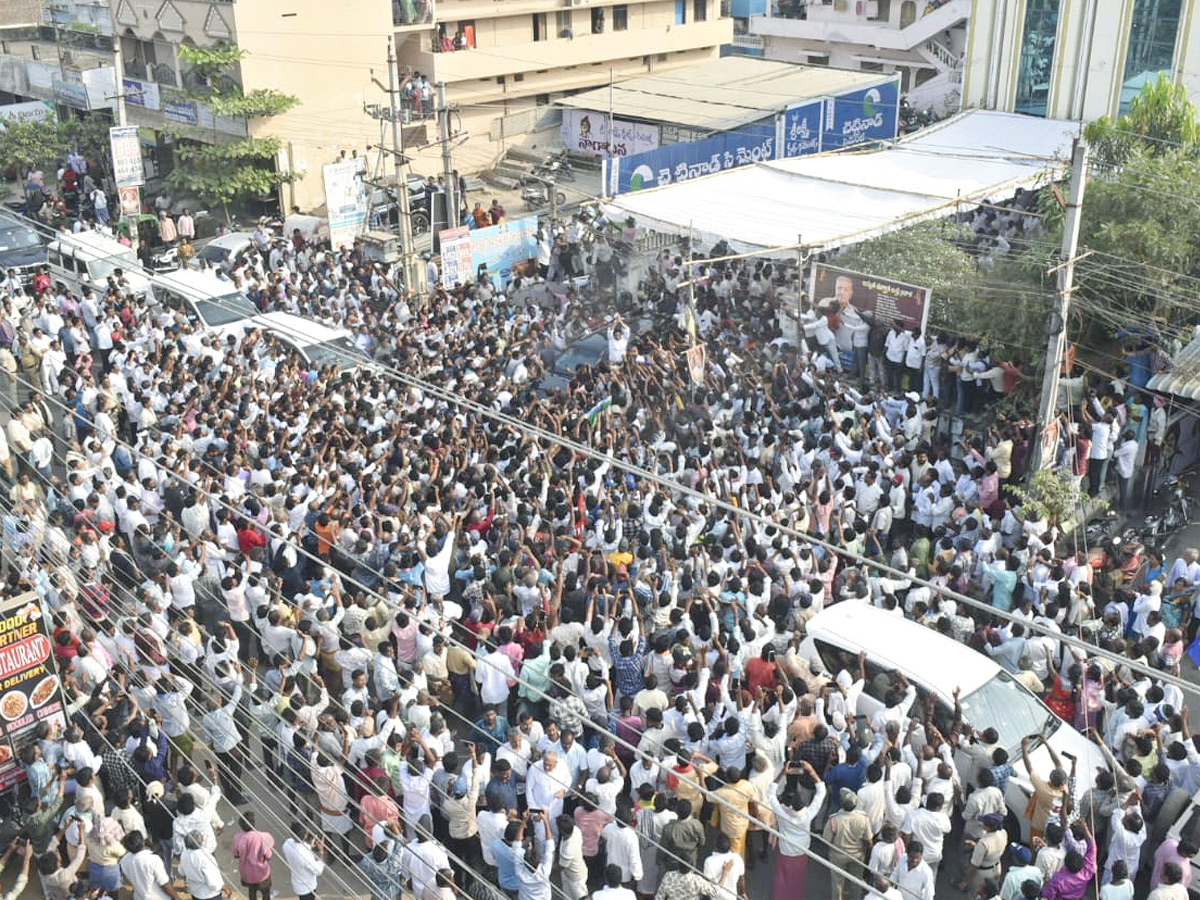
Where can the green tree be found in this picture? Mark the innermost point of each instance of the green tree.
(88, 134)
(1140, 222)
(221, 173)
(1161, 119)
(1053, 495)
(26, 145)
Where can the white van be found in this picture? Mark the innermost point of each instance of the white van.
(89, 258)
(205, 298)
(935, 664)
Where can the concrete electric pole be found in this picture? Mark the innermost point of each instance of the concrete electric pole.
(448, 176)
(1057, 342)
(414, 276)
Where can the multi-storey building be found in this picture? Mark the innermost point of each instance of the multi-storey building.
(504, 64)
(1078, 59)
(922, 40)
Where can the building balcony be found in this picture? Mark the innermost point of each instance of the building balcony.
(578, 51)
(885, 24)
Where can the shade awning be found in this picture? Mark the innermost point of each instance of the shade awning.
(835, 199)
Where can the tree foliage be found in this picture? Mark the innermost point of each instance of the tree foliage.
(1005, 307)
(1140, 220)
(223, 173)
(1161, 120)
(27, 145)
(1053, 495)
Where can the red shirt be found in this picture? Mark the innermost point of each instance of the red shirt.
(248, 539)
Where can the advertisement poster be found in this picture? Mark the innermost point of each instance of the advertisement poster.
(127, 156)
(32, 111)
(30, 691)
(870, 114)
(800, 129)
(586, 131)
(345, 201)
(131, 200)
(141, 93)
(876, 299)
(682, 162)
(504, 248)
(456, 255)
(181, 112)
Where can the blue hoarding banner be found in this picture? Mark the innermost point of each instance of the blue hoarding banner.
(504, 247)
(800, 129)
(682, 162)
(869, 114)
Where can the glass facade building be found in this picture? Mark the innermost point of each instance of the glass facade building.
(1036, 63)
(1152, 33)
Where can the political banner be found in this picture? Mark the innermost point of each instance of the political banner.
(30, 690)
(683, 162)
(345, 201)
(868, 114)
(800, 129)
(586, 131)
(505, 249)
(878, 300)
(456, 255)
(126, 155)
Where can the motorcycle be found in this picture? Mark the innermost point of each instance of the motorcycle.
(1177, 515)
(537, 195)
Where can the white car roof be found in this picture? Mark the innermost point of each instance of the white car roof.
(90, 242)
(233, 241)
(922, 654)
(203, 284)
(300, 331)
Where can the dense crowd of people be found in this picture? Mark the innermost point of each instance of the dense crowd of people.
(368, 627)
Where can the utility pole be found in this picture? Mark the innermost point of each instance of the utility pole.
(413, 279)
(1057, 341)
(448, 176)
(119, 84)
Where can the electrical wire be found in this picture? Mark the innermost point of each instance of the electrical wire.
(545, 696)
(360, 782)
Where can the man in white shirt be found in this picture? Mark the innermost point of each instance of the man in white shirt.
(913, 877)
(144, 871)
(928, 826)
(613, 889)
(725, 869)
(200, 870)
(305, 856)
(495, 674)
(546, 784)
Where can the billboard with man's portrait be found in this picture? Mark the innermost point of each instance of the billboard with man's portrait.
(877, 300)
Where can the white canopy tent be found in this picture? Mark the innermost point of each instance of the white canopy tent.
(835, 199)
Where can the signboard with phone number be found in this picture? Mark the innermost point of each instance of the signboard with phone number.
(30, 688)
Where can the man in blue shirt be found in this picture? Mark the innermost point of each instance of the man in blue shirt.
(506, 859)
(490, 731)
(850, 774)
